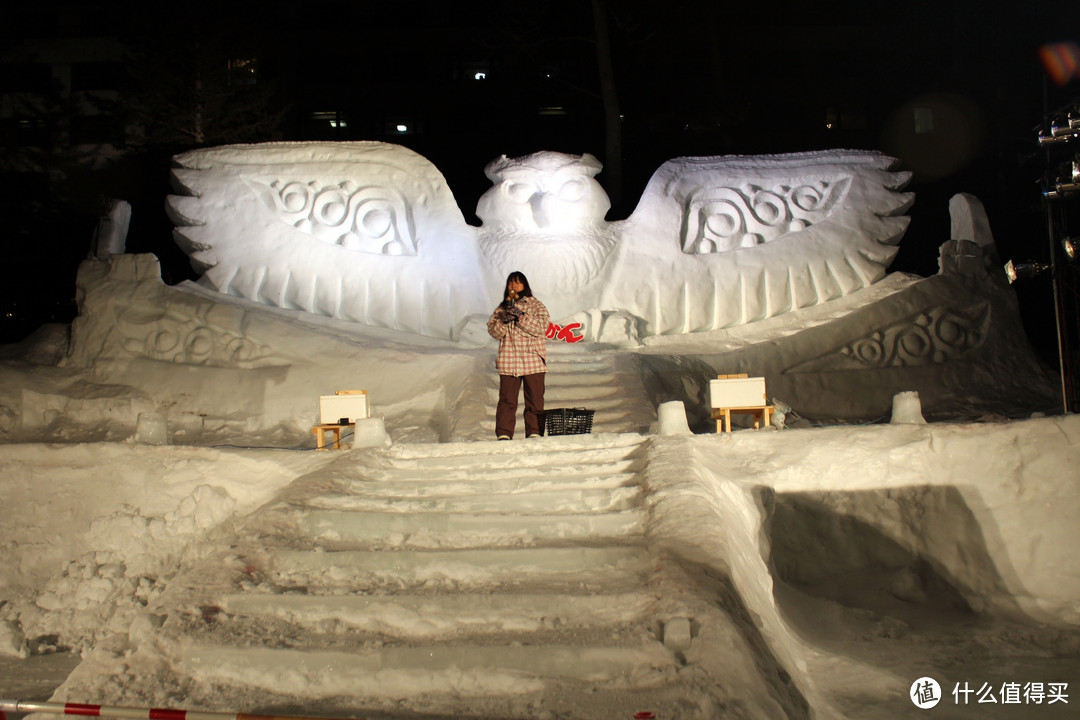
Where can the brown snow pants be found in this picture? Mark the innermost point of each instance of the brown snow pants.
(506, 410)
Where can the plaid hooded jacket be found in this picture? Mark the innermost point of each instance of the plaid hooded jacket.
(522, 344)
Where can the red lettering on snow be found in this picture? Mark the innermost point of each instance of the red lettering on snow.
(563, 333)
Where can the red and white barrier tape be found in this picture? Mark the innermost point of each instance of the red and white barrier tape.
(108, 711)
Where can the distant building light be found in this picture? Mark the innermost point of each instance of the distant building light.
(332, 118)
(831, 118)
(553, 110)
(243, 71)
(480, 76)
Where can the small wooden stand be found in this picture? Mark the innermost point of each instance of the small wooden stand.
(320, 430)
(762, 413)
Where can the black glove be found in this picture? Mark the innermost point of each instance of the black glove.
(511, 314)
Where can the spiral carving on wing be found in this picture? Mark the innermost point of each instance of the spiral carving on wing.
(721, 219)
(366, 219)
(935, 336)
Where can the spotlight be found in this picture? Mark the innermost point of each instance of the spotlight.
(1065, 186)
(1069, 246)
(1068, 127)
(1057, 137)
(1014, 271)
(1062, 190)
(1061, 133)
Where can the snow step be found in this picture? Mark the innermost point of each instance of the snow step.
(411, 485)
(611, 568)
(560, 501)
(559, 353)
(429, 616)
(462, 529)
(407, 672)
(600, 445)
(553, 395)
(579, 365)
(602, 417)
(517, 457)
(493, 472)
(560, 360)
(590, 379)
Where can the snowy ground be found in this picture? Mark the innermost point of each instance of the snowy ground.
(895, 551)
(95, 522)
(802, 572)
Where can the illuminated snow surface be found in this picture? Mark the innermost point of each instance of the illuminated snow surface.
(803, 572)
(370, 232)
(430, 572)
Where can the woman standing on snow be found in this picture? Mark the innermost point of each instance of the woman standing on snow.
(520, 325)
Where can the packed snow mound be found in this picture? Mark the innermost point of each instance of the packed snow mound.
(102, 525)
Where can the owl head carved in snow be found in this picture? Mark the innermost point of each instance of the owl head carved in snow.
(545, 211)
(546, 192)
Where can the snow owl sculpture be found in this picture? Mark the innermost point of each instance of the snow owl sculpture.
(545, 212)
(369, 232)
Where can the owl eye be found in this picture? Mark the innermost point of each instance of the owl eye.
(572, 190)
(520, 192)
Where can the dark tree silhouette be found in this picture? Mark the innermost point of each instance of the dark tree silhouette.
(196, 83)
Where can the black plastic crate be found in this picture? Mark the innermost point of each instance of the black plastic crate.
(567, 421)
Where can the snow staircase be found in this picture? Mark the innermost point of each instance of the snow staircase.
(582, 375)
(478, 579)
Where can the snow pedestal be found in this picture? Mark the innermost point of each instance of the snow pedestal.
(110, 237)
(671, 419)
(152, 429)
(907, 408)
(370, 432)
(677, 634)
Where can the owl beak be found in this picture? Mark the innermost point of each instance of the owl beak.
(539, 209)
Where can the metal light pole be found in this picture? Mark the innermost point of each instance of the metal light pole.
(1062, 132)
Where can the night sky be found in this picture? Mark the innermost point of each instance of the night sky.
(690, 78)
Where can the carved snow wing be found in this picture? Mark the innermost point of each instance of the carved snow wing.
(366, 232)
(725, 241)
